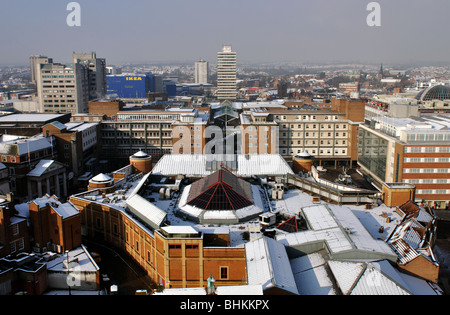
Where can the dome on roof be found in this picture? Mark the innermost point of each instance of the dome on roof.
(437, 92)
(303, 154)
(140, 155)
(101, 178)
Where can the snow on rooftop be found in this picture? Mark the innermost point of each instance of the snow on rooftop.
(311, 276)
(247, 165)
(101, 178)
(40, 168)
(185, 229)
(268, 265)
(340, 230)
(146, 211)
(80, 255)
(65, 210)
(375, 278)
(29, 117)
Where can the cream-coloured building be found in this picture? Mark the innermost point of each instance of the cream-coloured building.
(226, 74)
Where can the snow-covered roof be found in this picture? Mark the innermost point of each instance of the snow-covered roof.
(23, 146)
(146, 211)
(65, 210)
(41, 168)
(408, 243)
(80, 255)
(376, 278)
(340, 231)
(77, 126)
(195, 165)
(29, 117)
(101, 178)
(311, 276)
(268, 265)
(140, 154)
(178, 229)
(225, 290)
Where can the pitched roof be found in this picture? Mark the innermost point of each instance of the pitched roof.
(289, 225)
(375, 278)
(220, 191)
(268, 265)
(43, 166)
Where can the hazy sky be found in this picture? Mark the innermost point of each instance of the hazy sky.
(259, 30)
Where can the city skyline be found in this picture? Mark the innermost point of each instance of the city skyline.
(260, 31)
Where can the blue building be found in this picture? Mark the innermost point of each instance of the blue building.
(128, 86)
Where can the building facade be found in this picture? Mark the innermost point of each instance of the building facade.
(62, 88)
(226, 74)
(172, 256)
(409, 150)
(156, 132)
(35, 60)
(21, 155)
(77, 144)
(96, 73)
(329, 134)
(131, 86)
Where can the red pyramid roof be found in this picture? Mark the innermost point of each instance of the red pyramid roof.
(220, 191)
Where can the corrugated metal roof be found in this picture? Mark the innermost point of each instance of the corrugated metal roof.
(375, 278)
(196, 165)
(340, 230)
(146, 211)
(268, 265)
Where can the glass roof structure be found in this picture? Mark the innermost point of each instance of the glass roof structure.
(437, 92)
(221, 191)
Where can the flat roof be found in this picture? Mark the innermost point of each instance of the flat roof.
(30, 117)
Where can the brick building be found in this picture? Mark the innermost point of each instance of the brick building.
(409, 150)
(173, 256)
(14, 236)
(328, 132)
(77, 144)
(55, 226)
(20, 155)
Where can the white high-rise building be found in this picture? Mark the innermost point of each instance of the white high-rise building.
(201, 72)
(62, 88)
(226, 74)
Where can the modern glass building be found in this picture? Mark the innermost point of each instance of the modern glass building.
(372, 153)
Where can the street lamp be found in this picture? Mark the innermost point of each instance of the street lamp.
(68, 272)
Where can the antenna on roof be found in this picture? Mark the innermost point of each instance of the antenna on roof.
(29, 156)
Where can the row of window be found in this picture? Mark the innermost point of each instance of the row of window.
(306, 117)
(426, 170)
(315, 151)
(426, 160)
(433, 191)
(315, 134)
(427, 150)
(427, 181)
(132, 142)
(314, 142)
(314, 126)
